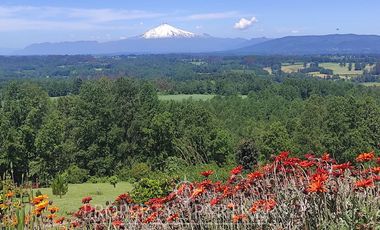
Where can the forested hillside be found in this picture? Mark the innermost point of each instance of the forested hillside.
(111, 126)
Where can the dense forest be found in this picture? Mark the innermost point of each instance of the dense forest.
(110, 126)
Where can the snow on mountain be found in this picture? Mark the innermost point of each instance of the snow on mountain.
(167, 31)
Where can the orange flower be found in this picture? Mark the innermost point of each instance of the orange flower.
(53, 209)
(51, 216)
(42, 204)
(9, 194)
(365, 183)
(239, 218)
(316, 186)
(207, 173)
(38, 199)
(59, 220)
(268, 205)
(197, 192)
(230, 206)
(320, 175)
(364, 157)
(265, 205)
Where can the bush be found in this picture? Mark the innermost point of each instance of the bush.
(59, 186)
(76, 175)
(247, 154)
(38, 193)
(135, 173)
(113, 180)
(95, 180)
(146, 189)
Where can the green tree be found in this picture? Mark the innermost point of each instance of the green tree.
(59, 186)
(113, 181)
(247, 154)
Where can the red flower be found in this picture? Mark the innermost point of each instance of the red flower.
(86, 200)
(282, 156)
(87, 208)
(214, 201)
(117, 223)
(376, 170)
(364, 157)
(151, 218)
(172, 218)
(237, 170)
(326, 158)
(207, 173)
(254, 175)
(306, 164)
(124, 197)
(365, 183)
(343, 166)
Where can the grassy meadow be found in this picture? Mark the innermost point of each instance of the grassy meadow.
(335, 67)
(100, 193)
(181, 97)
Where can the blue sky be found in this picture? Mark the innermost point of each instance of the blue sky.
(23, 22)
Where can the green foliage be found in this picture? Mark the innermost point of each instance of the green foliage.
(113, 181)
(76, 175)
(97, 180)
(38, 193)
(146, 189)
(247, 154)
(59, 186)
(135, 173)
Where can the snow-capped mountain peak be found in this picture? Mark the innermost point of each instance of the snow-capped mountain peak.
(167, 31)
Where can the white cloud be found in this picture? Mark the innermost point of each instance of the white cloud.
(244, 23)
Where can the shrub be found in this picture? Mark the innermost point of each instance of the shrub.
(247, 154)
(76, 175)
(135, 173)
(38, 193)
(146, 189)
(59, 186)
(113, 180)
(95, 180)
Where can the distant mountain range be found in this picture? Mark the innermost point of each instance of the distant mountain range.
(168, 39)
(159, 40)
(323, 44)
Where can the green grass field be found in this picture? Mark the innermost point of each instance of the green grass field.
(335, 67)
(291, 68)
(181, 97)
(341, 70)
(369, 84)
(100, 193)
